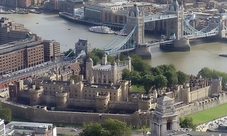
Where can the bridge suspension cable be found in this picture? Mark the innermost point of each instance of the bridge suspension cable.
(115, 39)
(123, 42)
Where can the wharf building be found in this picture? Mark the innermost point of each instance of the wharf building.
(51, 50)
(112, 14)
(12, 31)
(16, 128)
(20, 54)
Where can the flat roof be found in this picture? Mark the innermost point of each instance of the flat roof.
(16, 45)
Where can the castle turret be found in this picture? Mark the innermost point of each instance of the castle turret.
(102, 101)
(61, 99)
(34, 95)
(104, 59)
(128, 62)
(114, 72)
(144, 102)
(89, 66)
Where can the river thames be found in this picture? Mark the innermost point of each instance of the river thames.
(52, 27)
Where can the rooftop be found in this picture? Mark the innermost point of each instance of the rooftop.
(17, 45)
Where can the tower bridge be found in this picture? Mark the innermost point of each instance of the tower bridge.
(177, 27)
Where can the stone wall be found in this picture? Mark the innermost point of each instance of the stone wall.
(187, 109)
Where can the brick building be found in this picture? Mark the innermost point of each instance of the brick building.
(12, 31)
(20, 54)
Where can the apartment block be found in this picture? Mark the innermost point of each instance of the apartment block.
(20, 54)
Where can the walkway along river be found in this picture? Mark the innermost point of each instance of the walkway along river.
(68, 33)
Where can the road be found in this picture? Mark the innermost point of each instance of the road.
(75, 131)
(46, 67)
(69, 131)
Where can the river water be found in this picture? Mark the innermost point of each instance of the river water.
(52, 27)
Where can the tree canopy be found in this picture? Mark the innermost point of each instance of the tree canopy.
(187, 122)
(6, 114)
(157, 77)
(111, 127)
(213, 74)
(70, 52)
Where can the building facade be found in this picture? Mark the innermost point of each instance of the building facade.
(20, 54)
(106, 73)
(30, 129)
(51, 50)
(12, 31)
(2, 127)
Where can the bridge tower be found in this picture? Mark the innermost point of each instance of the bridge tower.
(135, 17)
(175, 26)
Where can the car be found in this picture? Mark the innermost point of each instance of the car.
(73, 130)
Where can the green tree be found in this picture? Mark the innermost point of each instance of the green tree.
(126, 74)
(187, 122)
(147, 82)
(160, 81)
(111, 127)
(6, 114)
(98, 52)
(135, 78)
(171, 77)
(92, 129)
(95, 58)
(75, 78)
(206, 72)
(156, 71)
(182, 77)
(68, 53)
(115, 127)
(138, 64)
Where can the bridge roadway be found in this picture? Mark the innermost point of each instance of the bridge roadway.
(35, 71)
(156, 17)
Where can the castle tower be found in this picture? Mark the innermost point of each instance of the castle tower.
(89, 66)
(128, 62)
(61, 99)
(164, 118)
(34, 95)
(114, 72)
(135, 17)
(104, 59)
(174, 27)
(102, 101)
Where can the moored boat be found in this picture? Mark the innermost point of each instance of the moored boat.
(223, 54)
(101, 29)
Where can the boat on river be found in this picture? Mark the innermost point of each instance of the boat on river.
(223, 54)
(101, 29)
(120, 33)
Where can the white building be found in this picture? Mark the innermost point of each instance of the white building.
(106, 73)
(2, 127)
(30, 129)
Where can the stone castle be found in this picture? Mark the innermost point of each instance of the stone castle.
(104, 97)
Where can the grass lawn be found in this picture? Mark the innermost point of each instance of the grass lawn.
(210, 114)
(136, 88)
